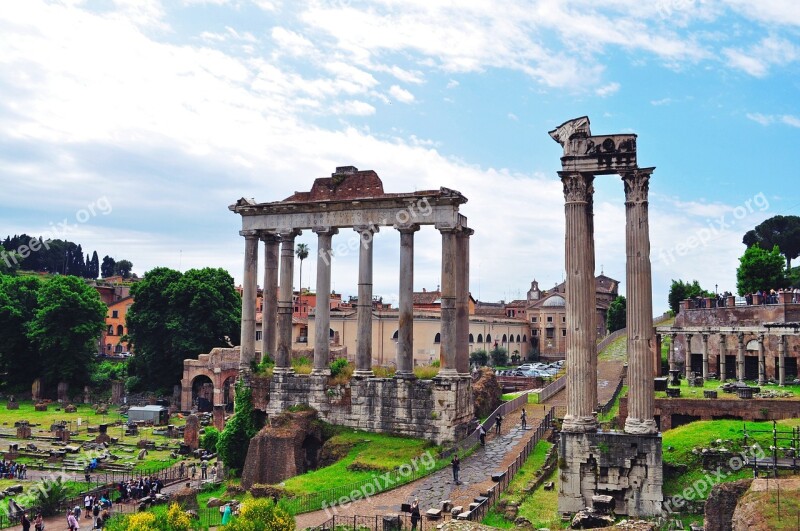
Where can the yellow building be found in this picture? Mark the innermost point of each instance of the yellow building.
(116, 327)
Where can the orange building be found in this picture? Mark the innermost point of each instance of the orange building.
(116, 328)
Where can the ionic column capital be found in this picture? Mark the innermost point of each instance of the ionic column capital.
(637, 185)
(269, 237)
(578, 187)
(407, 229)
(325, 231)
(249, 234)
(361, 229)
(446, 228)
(289, 234)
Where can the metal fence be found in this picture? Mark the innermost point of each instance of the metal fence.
(552, 389)
(403, 521)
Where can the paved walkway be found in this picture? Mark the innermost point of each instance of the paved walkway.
(475, 475)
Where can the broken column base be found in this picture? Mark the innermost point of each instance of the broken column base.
(623, 466)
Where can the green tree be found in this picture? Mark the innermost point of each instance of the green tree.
(94, 266)
(479, 357)
(760, 270)
(680, 290)
(210, 439)
(302, 254)
(65, 330)
(9, 262)
(123, 268)
(19, 358)
(107, 269)
(617, 314)
(177, 316)
(499, 356)
(240, 428)
(783, 231)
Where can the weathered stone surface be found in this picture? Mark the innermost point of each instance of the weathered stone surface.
(40, 406)
(71, 408)
(191, 433)
(186, 498)
(721, 504)
(486, 393)
(295, 437)
(590, 520)
(36, 390)
(63, 392)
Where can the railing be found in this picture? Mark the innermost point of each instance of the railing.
(605, 408)
(400, 476)
(552, 389)
(376, 522)
(622, 331)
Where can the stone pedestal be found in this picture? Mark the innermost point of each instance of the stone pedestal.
(624, 466)
(191, 433)
(63, 392)
(36, 390)
(12, 404)
(219, 416)
(117, 392)
(41, 406)
(23, 430)
(86, 398)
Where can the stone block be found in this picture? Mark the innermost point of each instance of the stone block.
(433, 514)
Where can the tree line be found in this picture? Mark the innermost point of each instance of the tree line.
(29, 253)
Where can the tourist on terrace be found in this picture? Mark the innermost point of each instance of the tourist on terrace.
(498, 422)
(524, 419)
(456, 463)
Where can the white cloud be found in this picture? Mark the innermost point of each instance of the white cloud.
(291, 42)
(354, 107)
(512, 116)
(763, 119)
(452, 84)
(401, 94)
(769, 119)
(758, 59)
(789, 119)
(607, 90)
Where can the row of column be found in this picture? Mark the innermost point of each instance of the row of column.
(581, 350)
(277, 318)
(721, 358)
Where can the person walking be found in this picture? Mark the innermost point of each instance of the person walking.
(482, 435)
(456, 463)
(193, 470)
(498, 423)
(38, 522)
(204, 470)
(524, 419)
(415, 514)
(26, 524)
(72, 522)
(181, 469)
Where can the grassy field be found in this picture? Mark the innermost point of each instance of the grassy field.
(713, 385)
(616, 351)
(369, 454)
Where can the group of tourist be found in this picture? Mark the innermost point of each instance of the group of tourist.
(12, 470)
(773, 296)
(764, 297)
(96, 508)
(138, 488)
(204, 471)
(38, 522)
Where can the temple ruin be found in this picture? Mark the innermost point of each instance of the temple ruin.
(437, 409)
(626, 466)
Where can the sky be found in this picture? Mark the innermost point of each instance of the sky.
(129, 126)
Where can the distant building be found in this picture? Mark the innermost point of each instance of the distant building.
(116, 327)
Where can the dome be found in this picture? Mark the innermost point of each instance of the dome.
(554, 301)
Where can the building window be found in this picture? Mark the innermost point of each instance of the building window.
(564, 319)
(258, 335)
(550, 333)
(535, 333)
(534, 319)
(488, 338)
(471, 339)
(118, 348)
(549, 318)
(437, 338)
(517, 338)
(120, 330)
(110, 330)
(524, 338)
(114, 314)
(505, 339)
(563, 332)
(394, 336)
(480, 338)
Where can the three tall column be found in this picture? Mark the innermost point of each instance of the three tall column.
(364, 316)
(269, 301)
(405, 331)
(581, 349)
(638, 276)
(249, 292)
(283, 352)
(449, 343)
(322, 312)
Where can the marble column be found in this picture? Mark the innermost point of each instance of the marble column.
(366, 234)
(405, 331)
(581, 348)
(781, 360)
(762, 365)
(704, 339)
(249, 292)
(688, 364)
(740, 359)
(322, 311)
(638, 278)
(721, 361)
(462, 301)
(269, 301)
(672, 365)
(283, 356)
(448, 297)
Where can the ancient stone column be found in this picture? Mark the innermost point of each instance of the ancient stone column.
(688, 365)
(448, 331)
(405, 332)
(269, 312)
(781, 360)
(283, 356)
(462, 301)
(740, 359)
(581, 349)
(673, 366)
(641, 397)
(762, 365)
(704, 339)
(249, 288)
(364, 342)
(322, 311)
(721, 361)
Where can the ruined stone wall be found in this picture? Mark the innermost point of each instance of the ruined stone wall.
(438, 410)
(708, 409)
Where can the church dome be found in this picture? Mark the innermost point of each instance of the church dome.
(554, 301)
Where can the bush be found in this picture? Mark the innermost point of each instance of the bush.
(175, 519)
(210, 439)
(499, 356)
(235, 438)
(338, 366)
(51, 496)
(262, 515)
(479, 357)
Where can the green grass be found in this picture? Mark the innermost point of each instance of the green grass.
(617, 350)
(701, 434)
(614, 411)
(377, 451)
(712, 385)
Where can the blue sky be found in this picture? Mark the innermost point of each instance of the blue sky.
(167, 112)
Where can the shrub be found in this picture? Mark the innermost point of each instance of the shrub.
(235, 438)
(51, 496)
(338, 366)
(262, 515)
(177, 519)
(479, 357)
(210, 439)
(499, 356)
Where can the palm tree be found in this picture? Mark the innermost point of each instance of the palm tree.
(302, 253)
